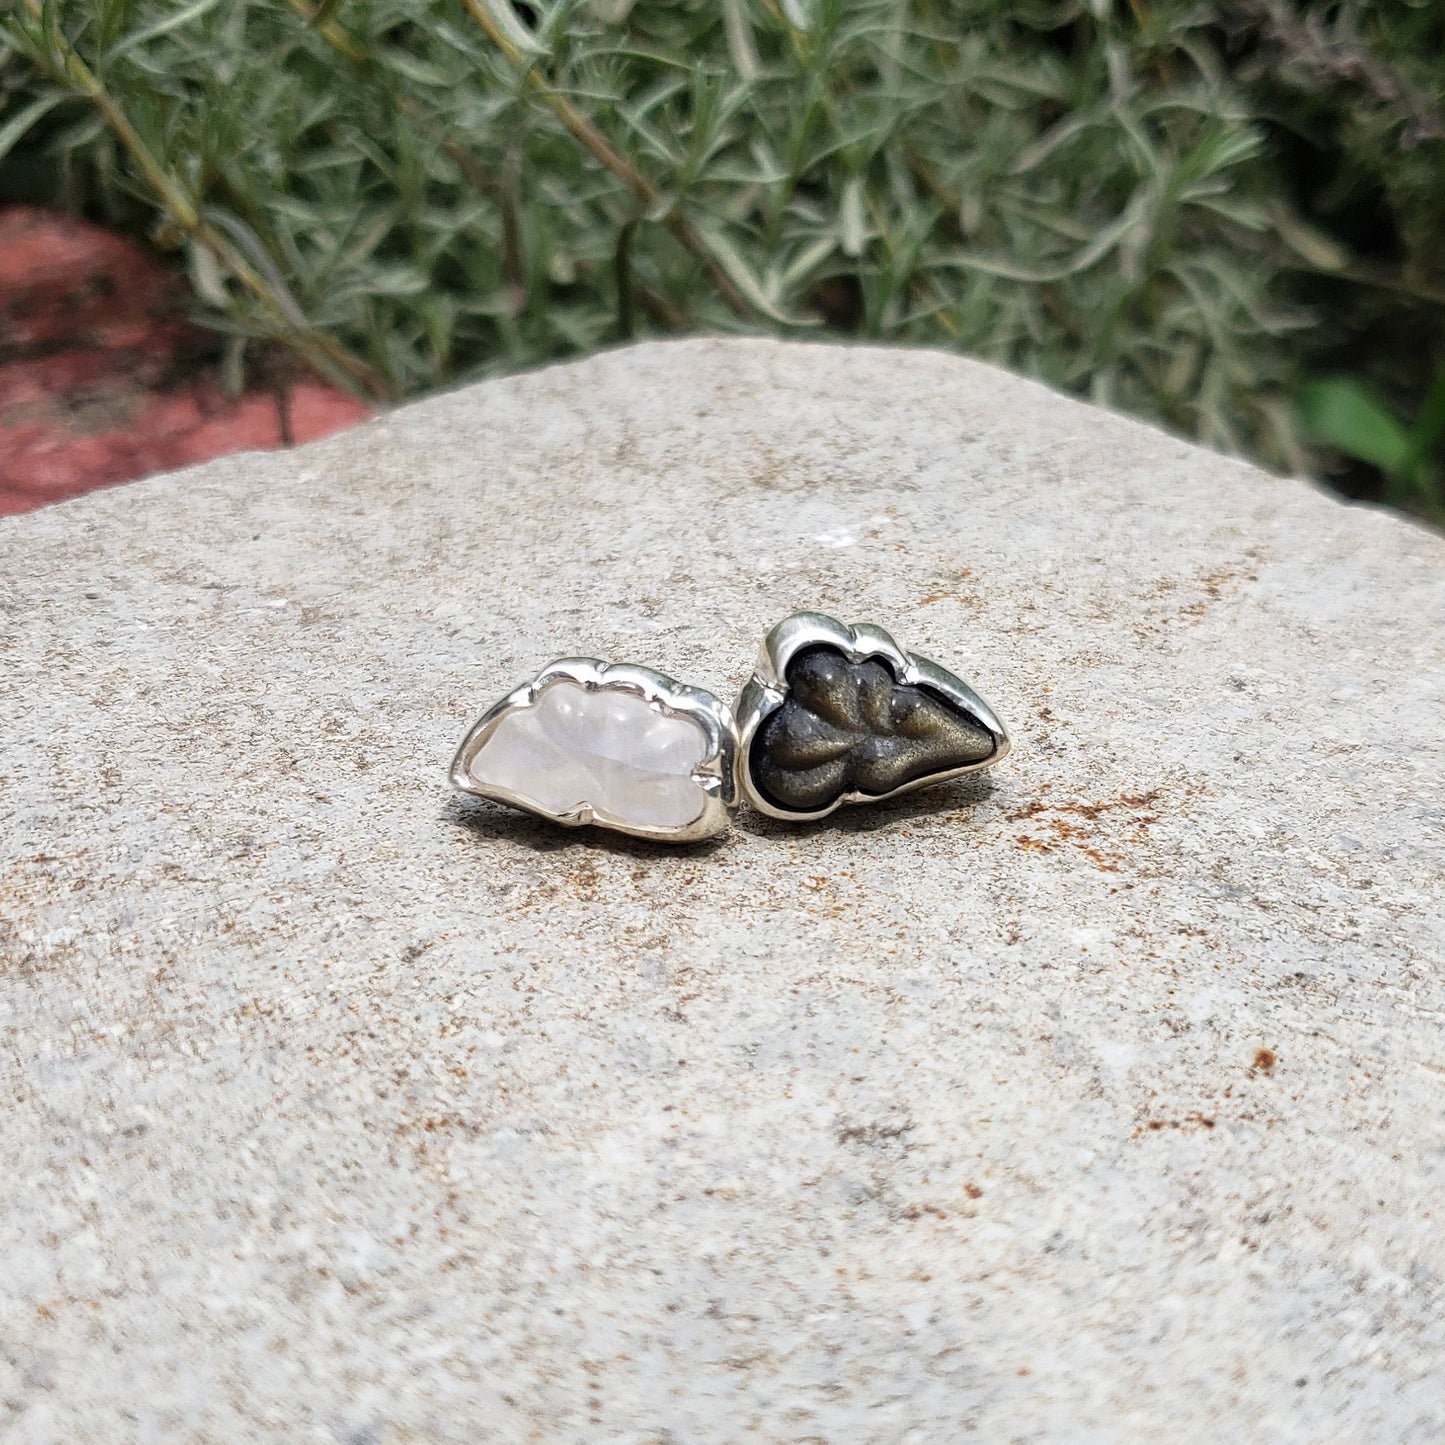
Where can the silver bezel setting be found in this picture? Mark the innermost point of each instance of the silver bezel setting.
(716, 775)
(765, 691)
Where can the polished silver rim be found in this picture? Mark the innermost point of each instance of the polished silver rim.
(716, 775)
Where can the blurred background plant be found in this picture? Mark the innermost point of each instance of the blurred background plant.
(1227, 216)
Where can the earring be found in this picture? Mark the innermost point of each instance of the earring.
(614, 744)
(836, 714)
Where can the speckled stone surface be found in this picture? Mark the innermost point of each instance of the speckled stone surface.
(1102, 1097)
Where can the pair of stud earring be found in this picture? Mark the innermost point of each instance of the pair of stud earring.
(831, 715)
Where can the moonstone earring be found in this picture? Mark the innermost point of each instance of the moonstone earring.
(613, 744)
(836, 714)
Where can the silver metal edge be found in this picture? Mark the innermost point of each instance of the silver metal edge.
(716, 775)
(764, 692)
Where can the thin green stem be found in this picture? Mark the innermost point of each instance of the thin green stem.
(321, 351)
(582, 129)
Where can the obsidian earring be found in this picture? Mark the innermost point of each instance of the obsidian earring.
(835, 714)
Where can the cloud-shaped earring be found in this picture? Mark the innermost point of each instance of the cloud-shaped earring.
(614, 744)
(836, 714)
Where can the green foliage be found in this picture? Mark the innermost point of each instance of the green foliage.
(1347, 414)
(1179, 209)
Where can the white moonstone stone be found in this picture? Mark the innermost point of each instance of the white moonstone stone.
(631, 762)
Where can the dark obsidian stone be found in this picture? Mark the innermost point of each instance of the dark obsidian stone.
(848, 727)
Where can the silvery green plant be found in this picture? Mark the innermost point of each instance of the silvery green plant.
(412, 192)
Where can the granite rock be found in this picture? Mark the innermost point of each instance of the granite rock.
(1101, 1096)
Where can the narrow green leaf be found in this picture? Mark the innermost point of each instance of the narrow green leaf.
(801, 267)
(15, 129)
(507, 22)
(1345, 414)
(730, 259)
(851, 219)
(797, 15)
(163, 26)
(739, 30)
